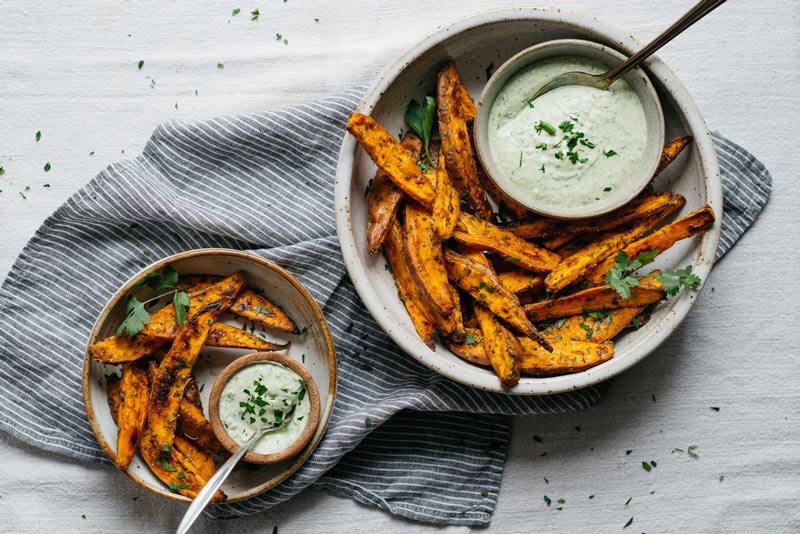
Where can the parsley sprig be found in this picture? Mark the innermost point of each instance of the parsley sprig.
(136, 314)
(419, 118)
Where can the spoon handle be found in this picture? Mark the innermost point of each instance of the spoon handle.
(210, 488)
(700, 10)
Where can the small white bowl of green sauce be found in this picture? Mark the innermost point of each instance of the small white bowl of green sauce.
(260, 389)
(576, 151)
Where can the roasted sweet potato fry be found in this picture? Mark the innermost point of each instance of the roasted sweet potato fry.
(598, 298)
(409, 290)
(637, 208)
(456, 143)
(418, 310)
(424, 254)
(258, 308)
(124, 348)
(195, 457)
(660, 240)
(500, 347)
(471, 349)
(446, 203)
(481, 234)
(594, 326)
(671, 151)
(519, 281)
(567, 357)
(484, 286)
(390, 156)
(174, 371)
(384, 198)
(574, 267)
(193, 424)
(112, 395)
(172, 468)
(134, 387)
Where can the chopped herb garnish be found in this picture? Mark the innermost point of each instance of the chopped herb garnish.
(715, 408)
(542, 168)
(2, 171)
(541, 125)
(628, 452)
(520, 159)
(545, 480)
(587, 328)
(646, 466)
(220, 65)
(482, 285)
(530, 105)
(420, 118)
(175, 488)
(141, 64)
(547, 500)
(484, 493)
(265, 311)
(609, 153)
(690, 451)
(38, 135)
(562, 500)
(607, 189)
(542, 146)
(628, 501)
(367, 422)
(235, 11)
(387, 267)
(47, 167)
(254, 14)
(303, 331)
(629, 523)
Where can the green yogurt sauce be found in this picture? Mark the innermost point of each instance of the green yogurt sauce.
(572, 146)
(260, 394)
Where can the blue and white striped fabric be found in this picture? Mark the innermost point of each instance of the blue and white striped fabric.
(264, 183)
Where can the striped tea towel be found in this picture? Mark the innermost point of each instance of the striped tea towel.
(400, 437)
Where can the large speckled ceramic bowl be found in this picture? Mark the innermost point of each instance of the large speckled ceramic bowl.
(478, 44)
(314, 349)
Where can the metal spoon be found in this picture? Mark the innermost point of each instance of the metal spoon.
(204, 496)
(604, 81)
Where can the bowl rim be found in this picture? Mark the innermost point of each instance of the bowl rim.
(312, 419)
(129, 284)
(645, 169)
(703, 144)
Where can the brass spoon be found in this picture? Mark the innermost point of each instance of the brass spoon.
(604, 81)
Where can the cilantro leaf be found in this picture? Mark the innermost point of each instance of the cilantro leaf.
(135, 317)
(181, 303)
(163, 279)
(673, 280)
(419, 118)
(619, 277)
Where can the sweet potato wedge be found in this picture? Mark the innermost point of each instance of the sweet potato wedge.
(418, 310)
(194, 425)
(424, 253)
(500, 347)
(597, 329)
(258, 308)
(133, 388)
(195, 457)
(519, 281)
(574, 267)
(456, 143)
(567, 356)
(446, 203)
(671, 151)
(112, 395)
(660, 240)
(484, 286)
(471, 349)
(384, 199)
(390, 156)
(598, 298)
(124, 348)
(535, 229)
(481, 234)
(174, 371)
(173, 468)
(409, 291)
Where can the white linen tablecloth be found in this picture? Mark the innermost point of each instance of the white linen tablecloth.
(70, 71)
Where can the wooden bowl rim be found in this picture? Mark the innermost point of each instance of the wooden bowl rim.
(311, 422)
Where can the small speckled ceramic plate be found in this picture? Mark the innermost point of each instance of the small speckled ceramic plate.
(314, 350)
(478, 44)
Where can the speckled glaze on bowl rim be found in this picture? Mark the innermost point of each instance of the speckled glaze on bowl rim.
(320, 321)
(642, 342)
